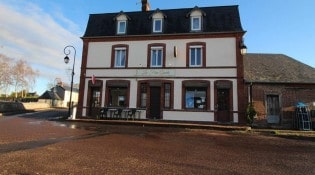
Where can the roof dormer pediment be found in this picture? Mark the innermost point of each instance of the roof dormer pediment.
(121, 16)
(157, 14)
(196, 11)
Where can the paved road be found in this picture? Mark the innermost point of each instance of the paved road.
(30, 144)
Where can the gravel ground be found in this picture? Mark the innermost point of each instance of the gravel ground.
(33, 146)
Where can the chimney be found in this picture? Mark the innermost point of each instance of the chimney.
(145, 5)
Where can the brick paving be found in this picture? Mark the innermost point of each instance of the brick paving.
(35, 146)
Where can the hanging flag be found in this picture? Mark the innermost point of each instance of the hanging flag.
(93, 79)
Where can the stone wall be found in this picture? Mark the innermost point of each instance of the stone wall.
(17, 106)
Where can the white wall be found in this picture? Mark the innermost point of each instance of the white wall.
(188, 116)
(221, 62)
(220, 52)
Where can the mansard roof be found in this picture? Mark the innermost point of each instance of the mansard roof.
(222, 19)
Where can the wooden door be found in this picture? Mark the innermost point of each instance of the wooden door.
(223, 105)
(155, 103)
(273, 109)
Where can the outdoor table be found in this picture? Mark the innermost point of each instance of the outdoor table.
(125, 111)
(111, 112)
(139, 112)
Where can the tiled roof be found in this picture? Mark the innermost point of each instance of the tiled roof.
(276, 68)
(216, 19)
(50, 95)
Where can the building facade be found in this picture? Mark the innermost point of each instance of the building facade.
(59, 96)
(276, 83)
(177, 64)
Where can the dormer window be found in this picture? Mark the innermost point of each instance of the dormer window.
(157, 21)
(196, 17)
(157, 25)
(121, 27)
(196, 23)
(121, 23)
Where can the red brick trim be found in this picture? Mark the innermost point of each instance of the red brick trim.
(82, 77)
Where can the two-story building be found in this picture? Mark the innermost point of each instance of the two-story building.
(175, 64)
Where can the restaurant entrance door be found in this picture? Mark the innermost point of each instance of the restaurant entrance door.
(155, 102)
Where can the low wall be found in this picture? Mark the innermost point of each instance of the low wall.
(34, 106)
(17, 106)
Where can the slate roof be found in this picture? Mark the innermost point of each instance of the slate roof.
(177, 21)
(50, 95)
(276, 68)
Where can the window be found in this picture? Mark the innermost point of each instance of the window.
(196, 23)
(195, 97)
(117, 93)
(119, 56)
(96, 94)
(196, 94)
(143, 93)
(156, 56)
(196, 54)
(117, 96)
(121, 27)
(157, 25)
(167, 95)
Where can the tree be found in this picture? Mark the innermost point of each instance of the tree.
(18, 74)
(5, 73)
(23, 76)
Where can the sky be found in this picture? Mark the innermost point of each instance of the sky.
(38, 30)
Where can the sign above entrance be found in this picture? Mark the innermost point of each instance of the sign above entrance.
(155, 73)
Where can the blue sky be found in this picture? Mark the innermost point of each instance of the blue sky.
(38, 30)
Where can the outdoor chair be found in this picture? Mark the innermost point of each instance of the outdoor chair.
(132, 113)
(117, 113)
(103, 112)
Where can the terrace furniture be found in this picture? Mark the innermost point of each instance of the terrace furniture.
(132, 113)
(103, 113)
(117, 113)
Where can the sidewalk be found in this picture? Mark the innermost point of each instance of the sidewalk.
(165, 123)
(210, 126)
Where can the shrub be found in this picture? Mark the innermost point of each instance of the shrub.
(250, 113)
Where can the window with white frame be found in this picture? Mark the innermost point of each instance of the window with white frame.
(121, 27)
(157, 25)
(196, 23)
(156, 56)
(120, 57)
(195, 56)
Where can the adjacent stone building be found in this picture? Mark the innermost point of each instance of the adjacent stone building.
(276, 83)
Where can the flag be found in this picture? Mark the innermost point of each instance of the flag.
(93, 79)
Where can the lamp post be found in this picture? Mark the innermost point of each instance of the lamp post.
(243, 48)
(67, 52)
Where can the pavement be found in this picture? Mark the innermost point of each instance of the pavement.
(205, 125)
(187, 124)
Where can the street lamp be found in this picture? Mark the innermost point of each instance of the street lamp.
(67, 51)
(243, 48)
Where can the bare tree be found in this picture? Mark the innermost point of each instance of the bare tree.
(5, 73)
(23, 76)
